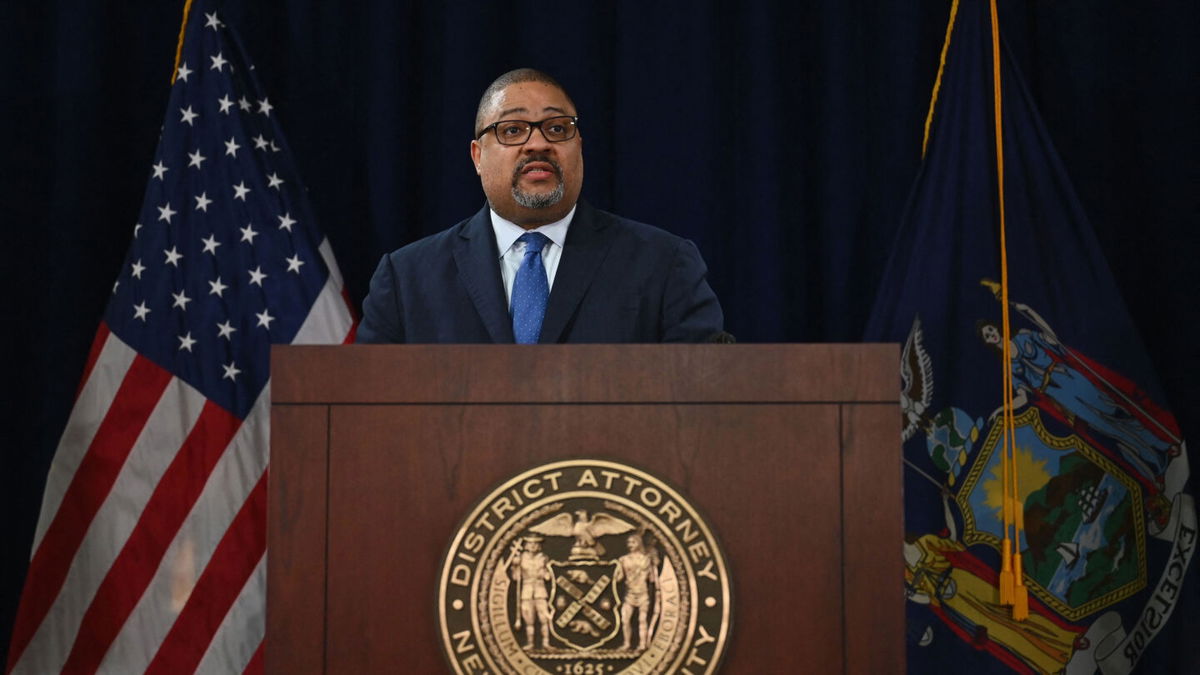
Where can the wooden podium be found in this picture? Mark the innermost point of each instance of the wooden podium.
(792, 452)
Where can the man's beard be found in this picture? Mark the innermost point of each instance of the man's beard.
(542, 200)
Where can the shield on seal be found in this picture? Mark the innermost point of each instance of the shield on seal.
(1084, 542)
(584, 597)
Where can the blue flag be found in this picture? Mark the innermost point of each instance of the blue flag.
(1109, 526)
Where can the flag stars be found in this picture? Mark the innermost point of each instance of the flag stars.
(260, 143)
(265, 107)
(116, 284)
(183, 72)
(240, 191)
(257, 276)
(165, 212)
(231, 371)
(196, 158)
(218, 62)
(173, 256)
(181, 300)
(160, 170)
(265, 319)
(294, 263)
(211, 21)
(248, 233)
(216, 287)
(231, 147)
(138, 268)
(188, 115)
(244, 104)
(225, 329)
(186, 342)
(273, 180)
(226, 103)
(140, 311)
(202, 202)
(286, 222)
(211, 244)
(137, 227)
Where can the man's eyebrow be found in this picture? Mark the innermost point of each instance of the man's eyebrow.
(550, 108)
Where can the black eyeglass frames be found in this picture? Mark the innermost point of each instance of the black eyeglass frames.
(517, 132)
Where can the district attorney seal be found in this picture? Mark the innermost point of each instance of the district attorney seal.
(584, 567)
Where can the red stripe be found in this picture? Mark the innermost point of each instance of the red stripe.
(990, 646)
(134, 402)
(353, 317)
(256, 665)
(244, 544)
(165, 512)
(97, 346)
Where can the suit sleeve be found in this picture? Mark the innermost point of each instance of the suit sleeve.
(382, 320)
(691, 312)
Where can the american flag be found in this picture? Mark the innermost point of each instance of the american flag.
(150, 550)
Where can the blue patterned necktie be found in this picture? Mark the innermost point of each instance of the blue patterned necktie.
(530, 290)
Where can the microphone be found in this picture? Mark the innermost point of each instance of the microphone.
(721, 337)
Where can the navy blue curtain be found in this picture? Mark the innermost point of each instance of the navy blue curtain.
(782, 137)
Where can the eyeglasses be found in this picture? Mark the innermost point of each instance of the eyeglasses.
(517, 132)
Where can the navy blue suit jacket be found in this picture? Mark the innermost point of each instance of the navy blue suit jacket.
(617, 281)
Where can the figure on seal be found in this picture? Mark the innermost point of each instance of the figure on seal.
(638, 569)
(531, 573)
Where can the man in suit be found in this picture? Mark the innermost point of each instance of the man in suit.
(537, 264)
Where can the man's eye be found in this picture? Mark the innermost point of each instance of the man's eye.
(511, 129)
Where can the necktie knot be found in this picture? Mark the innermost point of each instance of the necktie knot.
(534, 242)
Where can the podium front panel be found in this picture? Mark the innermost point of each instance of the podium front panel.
(804, 495)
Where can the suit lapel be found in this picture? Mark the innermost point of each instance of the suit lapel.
(479, 270)
(588, 241)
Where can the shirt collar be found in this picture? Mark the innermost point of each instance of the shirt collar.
(507, 232)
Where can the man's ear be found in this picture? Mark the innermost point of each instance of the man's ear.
(475, 152)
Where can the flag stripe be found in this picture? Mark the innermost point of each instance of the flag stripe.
(243, 630)
(140, 390)
(172, 500)
(235, 559)
(91, 405)
(228, 486)
(328, 322)
(256, 665)
(98, 342)
(177, 411)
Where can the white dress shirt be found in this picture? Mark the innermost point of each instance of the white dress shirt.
(512, 252)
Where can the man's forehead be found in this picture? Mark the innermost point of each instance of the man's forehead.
(529, 98)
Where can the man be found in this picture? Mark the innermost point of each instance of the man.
(537, 264)
(531, 573)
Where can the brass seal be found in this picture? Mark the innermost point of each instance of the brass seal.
(584, 567)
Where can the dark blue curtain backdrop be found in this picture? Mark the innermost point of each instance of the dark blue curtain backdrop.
(783, 137)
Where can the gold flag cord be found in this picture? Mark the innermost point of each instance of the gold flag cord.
(187, 8)
(937, 83)
(1012, 583)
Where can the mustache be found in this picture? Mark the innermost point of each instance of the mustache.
(536, 158)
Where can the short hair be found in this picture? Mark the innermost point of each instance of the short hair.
(513, 77)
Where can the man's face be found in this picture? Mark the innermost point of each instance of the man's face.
(537, 182)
